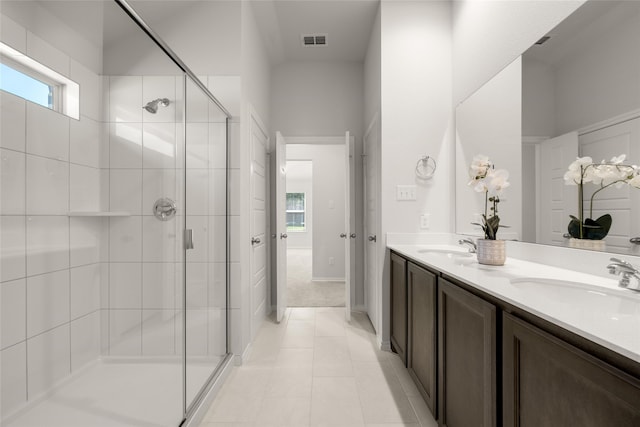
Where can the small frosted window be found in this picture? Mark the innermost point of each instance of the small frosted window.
(27, 78)
(26, 86)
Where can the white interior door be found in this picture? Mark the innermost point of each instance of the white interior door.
(557, 200)
(370, 224)
(349, 234)
(623, 204)
(258, 225)
(281, 226)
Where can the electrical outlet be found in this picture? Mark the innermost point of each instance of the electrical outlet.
(424, 221)
(405, 192)
(332, 260)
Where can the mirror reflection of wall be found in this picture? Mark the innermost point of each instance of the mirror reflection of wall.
(488, 123)
(580, 97)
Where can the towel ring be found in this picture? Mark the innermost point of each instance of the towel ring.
(426, 167)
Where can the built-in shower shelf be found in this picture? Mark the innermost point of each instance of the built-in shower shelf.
(100, 213)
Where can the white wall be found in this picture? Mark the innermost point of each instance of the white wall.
(328, 207)
(416, 112)
(325, 99)
(538, 98)
(600, 81)
(300, 180)
(489, 123)
(255, 99)
(206, 35)
(74, 30)
(372, 73)
(416, 118)
(489, 35)
(596, 79)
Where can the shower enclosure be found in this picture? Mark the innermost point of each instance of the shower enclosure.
(113, 222)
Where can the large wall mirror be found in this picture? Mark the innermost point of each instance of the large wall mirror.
(575, 93)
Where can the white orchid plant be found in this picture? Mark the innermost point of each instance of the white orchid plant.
(492, 182)
(613, 173)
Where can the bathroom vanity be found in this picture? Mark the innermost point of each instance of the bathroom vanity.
(523, 344)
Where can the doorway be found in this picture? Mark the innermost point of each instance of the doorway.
(324, 211)
(309, 286)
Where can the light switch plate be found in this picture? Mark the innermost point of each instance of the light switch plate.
(405, 192)
(424, 221)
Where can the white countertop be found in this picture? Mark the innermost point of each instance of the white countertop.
(590, 306)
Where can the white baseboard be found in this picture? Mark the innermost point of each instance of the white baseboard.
(327, 279)
(385, 345)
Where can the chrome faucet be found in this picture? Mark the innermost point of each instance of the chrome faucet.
(626, 272)
(469, 242)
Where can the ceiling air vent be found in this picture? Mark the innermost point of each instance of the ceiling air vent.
(312, 40)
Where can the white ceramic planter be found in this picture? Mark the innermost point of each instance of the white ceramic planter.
(598, 245)
(491, 252)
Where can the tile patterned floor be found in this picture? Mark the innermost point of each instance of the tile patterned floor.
(315, 369)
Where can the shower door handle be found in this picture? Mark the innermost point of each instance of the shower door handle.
(188, 238)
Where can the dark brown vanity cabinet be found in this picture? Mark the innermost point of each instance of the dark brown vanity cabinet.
(496, 369)
(466, 358)
(548, 382)
(399, 306)
(422, 345)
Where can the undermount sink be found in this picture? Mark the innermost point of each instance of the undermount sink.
(565, 291)
(451, 253)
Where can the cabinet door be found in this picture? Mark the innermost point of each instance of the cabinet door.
(421, 343)
(399, 306)
(466, 358)
(547, 382)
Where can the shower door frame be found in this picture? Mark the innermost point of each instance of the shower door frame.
(190, 409)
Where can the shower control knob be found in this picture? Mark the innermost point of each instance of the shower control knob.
(164, 209)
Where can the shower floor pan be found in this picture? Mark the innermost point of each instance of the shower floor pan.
(116, 394)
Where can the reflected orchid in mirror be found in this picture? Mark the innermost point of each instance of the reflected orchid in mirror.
(604, 175)
(492, 182)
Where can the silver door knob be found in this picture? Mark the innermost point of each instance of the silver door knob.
(283, 235)
(372, 238)
(343, 235)
(255, 240)
(635, 240)
(352, 235)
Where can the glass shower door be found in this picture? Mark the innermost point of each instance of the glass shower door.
(205, 297)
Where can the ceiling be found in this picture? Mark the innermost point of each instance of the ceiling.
(583, 28)
(348, 24)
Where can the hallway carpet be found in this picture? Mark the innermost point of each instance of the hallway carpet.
(304, 292)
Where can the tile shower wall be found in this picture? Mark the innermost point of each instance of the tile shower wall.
(143, 305)
(50, 272)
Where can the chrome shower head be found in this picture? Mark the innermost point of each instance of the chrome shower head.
(152, 106)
